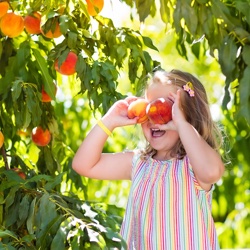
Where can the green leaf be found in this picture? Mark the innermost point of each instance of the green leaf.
(244, 89)
(47, 211)
(55, 181)
(7, 233)
(33, 104)
(26, 116)
(22, 54)
(227, 56)
(16, 89)
(1, 49)
(246, 54)
(72, 40)
(143, 7)
(177, 17)
(243, 6)
(29, 239)
(220, 10)
(42, 66)
(59, 239)
(148, 42)
(189, 14)
(24, 209)
(31, 217)
(165, 11)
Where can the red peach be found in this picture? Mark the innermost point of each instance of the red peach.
(32, 23)
(68, 66)
(160, 111)
(41, 137)
(20, 173)
(45, 96)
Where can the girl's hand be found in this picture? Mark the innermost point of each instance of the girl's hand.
(117, 115)
(177, 113)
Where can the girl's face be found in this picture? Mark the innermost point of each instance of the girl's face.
(161, 140)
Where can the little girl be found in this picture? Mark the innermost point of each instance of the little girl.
(169, 206)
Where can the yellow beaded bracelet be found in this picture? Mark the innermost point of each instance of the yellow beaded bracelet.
(104, 128)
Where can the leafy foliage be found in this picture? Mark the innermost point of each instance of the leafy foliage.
(36, 217)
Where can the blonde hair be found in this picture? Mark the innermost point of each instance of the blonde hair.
(196, 110)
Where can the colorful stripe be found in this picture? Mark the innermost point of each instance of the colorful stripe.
(167, 209)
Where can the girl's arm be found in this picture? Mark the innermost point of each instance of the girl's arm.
(206, 162)
(89, 160)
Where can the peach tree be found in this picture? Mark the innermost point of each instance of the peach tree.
(42, 45)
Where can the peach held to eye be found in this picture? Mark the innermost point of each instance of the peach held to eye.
(158, 111)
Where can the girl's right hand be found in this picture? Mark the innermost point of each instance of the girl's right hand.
(117, 115)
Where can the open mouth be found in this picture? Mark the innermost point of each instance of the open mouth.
(155, 132)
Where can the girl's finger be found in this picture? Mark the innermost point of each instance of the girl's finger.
(172, 96)
(178, 98)
(130, 99)
(168, 126)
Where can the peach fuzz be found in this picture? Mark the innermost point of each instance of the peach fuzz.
(137, 108)
(32, 23)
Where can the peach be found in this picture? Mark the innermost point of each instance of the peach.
(4, 6)
(45, 96)
(1, 139)
(51, 29)
(94, 6)
(68, 66)
(137, 108)
(159, 111)
(20, 173)
(41, 137)
(32, 23)
(12, 25)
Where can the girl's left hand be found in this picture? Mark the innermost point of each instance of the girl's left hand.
(177, 113)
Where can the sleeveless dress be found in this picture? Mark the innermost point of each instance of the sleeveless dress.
(167, 209)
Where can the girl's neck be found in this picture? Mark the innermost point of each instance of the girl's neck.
(162, 156)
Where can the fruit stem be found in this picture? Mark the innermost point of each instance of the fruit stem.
(5, 158)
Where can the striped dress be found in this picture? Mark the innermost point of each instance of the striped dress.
(167, 209)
